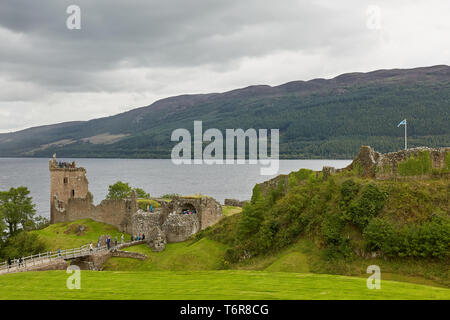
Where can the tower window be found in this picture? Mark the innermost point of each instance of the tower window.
(66, 180)
(73, 193)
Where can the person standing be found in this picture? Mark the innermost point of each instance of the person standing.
(9, 263)
(115, 241)
(122, 240)
(108, 242)
(91, 247)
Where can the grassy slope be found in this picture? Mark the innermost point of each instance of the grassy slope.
(206, 285)
(230, 210)
(202, 255)
(64, 235)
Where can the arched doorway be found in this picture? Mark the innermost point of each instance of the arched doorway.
(187, 208)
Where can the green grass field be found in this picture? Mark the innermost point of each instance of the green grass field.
(194, 270)
(204, 285)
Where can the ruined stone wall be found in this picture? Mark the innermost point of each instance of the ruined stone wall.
(142, 222)
(114, 212)
(370, 163)
(235, 202)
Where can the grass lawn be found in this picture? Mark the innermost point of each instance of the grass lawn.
(65, 235)
(201, 255)
(236, 284)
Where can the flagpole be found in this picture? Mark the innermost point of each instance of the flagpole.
(406, 143)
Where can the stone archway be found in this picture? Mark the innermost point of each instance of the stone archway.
(187, 207)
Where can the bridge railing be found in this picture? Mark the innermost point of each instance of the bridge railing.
(49, 256)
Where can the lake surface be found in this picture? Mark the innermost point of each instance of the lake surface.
(156, 177)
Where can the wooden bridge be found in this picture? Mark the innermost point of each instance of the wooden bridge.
(47, 259)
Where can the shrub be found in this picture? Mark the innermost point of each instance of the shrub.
(332, 227)
(21, 245)
(349, 189)
(430, 239)
(379, 235)
(367, 206)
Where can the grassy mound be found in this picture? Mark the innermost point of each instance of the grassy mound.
(75, 234)
(348, 221)
(201, 255)
(207, 285)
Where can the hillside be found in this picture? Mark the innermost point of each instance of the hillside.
(340, 223)
(320, 118)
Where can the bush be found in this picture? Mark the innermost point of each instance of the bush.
(349, 189)
(430, 239)
(22, 245)
(170, 196)
(332, 228)
(379, 235)
(367, 206)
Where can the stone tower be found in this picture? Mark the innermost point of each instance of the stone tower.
(66, 182)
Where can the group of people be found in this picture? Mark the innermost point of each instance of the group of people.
(138, 237)
(189, 211)
(66, 165)
(18, 261)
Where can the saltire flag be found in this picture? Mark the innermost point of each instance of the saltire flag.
(402, 123)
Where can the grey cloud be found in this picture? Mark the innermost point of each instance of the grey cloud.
(161, 33)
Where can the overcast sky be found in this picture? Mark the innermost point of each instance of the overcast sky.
(131, 53)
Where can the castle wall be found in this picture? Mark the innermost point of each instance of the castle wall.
(370, 163)
(114, 212)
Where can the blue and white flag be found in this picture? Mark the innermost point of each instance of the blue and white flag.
(402, 123)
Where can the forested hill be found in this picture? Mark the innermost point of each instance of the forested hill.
(317, 119)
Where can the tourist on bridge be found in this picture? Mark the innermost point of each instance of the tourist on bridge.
(122, 240)
(108, 242)
(20, 262)
(9, 263)
(91, 247)
(132, 238)
(115, 241)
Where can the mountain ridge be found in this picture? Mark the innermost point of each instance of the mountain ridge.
(146, 130)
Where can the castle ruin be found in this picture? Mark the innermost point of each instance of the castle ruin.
(71, 200)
